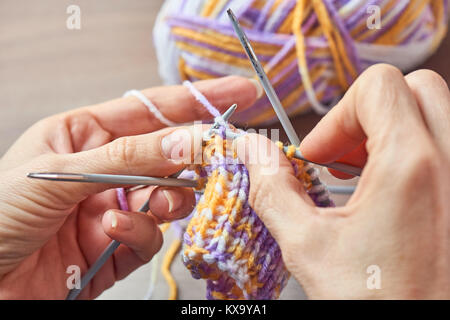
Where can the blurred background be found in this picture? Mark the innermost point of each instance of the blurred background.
(46, 69)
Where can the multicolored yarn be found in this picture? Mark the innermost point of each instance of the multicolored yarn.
(225, 241)
(312, 50)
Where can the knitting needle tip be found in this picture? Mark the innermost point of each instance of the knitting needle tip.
(227, 114)
(343, 167)
(225, 117)
(46, 176)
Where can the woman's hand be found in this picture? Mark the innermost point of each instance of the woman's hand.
(47, 226)
(397, 223)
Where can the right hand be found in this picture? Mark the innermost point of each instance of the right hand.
(398, 128)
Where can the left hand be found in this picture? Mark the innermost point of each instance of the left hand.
(46, 226)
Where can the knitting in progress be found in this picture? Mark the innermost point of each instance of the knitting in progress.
(311, 50)
(225, 242)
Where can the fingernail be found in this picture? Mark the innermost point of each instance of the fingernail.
(174, 199)
(113, 219)
(169, 199)
(177, 145)
(164, 201)
(120, 221)
(259, 88)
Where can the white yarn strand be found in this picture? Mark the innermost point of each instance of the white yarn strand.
(151, 107)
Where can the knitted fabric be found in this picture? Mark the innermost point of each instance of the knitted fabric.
(225, 242)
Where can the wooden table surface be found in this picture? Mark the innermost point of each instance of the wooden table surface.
(46, 68)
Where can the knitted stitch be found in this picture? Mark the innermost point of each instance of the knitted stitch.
(225, 242)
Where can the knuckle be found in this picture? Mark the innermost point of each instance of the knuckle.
(377, 83)
(47, 122)
(428, 77)
(54, 162)
(382, 71)
(123, 152)
(380, 77)
(55, 125)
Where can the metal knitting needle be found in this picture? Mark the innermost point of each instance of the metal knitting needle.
(341, 189)
(106, 254)
(225, 116)
(347, 168)
(113, 179)
(276, 103)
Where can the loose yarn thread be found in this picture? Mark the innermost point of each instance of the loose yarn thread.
(312, 50)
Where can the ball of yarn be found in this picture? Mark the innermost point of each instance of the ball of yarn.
(312, 50)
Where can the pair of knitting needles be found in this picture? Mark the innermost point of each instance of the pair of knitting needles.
(173, 181)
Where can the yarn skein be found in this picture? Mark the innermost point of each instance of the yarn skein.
(312, 50)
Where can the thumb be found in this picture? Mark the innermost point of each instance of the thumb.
(276, 195)
(160, 153)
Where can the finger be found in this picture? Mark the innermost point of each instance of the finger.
(357, 157)
(129, 116)
(433, 97)
(165, 203)
(160, 154)
(276, 195)
(168, 204)
(138, 232)
(90, 127)
(137, 198)
(378, 106)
